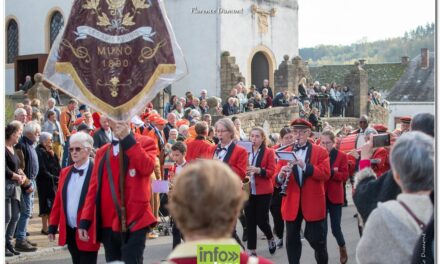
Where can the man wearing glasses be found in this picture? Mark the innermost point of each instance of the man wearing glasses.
(363, 124)
(305, 195)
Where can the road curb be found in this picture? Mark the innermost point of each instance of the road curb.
(25, 256)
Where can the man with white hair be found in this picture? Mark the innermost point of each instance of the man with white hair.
(183, 133)
(69, 201)
(29, 163)
(20, 115)
(171, 118)
(203, 95)
(51, 106)
(104, 135)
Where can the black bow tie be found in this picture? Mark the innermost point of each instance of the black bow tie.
(220, 149)
(80, 172)
(297, 148)
(115, 142)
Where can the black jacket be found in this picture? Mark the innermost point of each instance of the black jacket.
(100, 139)
(370, 191)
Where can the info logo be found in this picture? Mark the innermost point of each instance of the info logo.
(218, 254)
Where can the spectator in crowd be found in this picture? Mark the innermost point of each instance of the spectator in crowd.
(27, 101)
(403, 219)
(242, 98)
(179, 111)
(302, 89)
(306, 110)
(347, 96)
(67, 119)
(27, 84)
(183, 132)
(281, 99)
(188, 99)
(258, 102)
(36, 112)
(195, 104)
(170, 105)
(20, 115)
(172, 122)
(47, 179)
(208, 119)
(55, 95)
(104, 135)
(239, 130)
(204, 107)
(15, 177)
(29, 164)
(266, 98)
(266, 85)
(19, 105)
(29, 116)
(51, 106)
(203, 95)
(317, 87)
(252, 92)
(53, 127)
(229, 108)
(250, 106)
(310, 91)
(205, 206)
(315, 120)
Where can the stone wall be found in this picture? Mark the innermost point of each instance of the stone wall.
(338, 122)
(276, 117)
(378, 114)
(230, 75)
(289, 73)
(357, 80)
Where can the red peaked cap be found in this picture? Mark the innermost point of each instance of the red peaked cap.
(405, 119)
(301, 123)
(380, 128)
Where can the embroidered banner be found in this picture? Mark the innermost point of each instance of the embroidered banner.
(116, 55)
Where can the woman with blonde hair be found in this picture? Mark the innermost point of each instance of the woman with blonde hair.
(205, 204)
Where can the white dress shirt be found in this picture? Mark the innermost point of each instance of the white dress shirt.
(74, 189)
(253, 156)
(180, 167)
(301, 154)
(220, 155)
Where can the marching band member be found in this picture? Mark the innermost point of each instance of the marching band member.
(287, 138)
(199, 147)
(178, 152)
(69, 201)
(303, 181)
(227, 151)
(230, 153)
(405, 122)
(334, 189)
(380, 159)
(119, 197)
(261, 170)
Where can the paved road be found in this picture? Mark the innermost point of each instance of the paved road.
(158, 249)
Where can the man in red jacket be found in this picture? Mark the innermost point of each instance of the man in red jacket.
(121, 224)
(199, 147)
(334, 189)
(303, 180)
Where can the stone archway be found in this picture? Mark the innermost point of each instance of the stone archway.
(259, 69)
(261, 63)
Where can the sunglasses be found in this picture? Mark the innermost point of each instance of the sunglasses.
(77, 149)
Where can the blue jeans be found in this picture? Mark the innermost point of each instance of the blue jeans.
(65, 159)
(335, 214)
(27, 205)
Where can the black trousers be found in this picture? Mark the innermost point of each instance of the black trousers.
(177, 235)
(78, 256)
(130, 252)
(314, 233)
(257, 214)
(275, 210)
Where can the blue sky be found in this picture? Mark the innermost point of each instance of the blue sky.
(348, 21)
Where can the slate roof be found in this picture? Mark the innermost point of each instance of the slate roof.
(416, 84)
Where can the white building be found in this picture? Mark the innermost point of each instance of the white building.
(257, 32)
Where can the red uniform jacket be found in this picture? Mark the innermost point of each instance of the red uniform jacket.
(152, 134)
(139, 159)
(312, 194)
(334, 188)
(265, 161)
(236, 158)
(58, 213)
(380, 161)
(197, 148)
